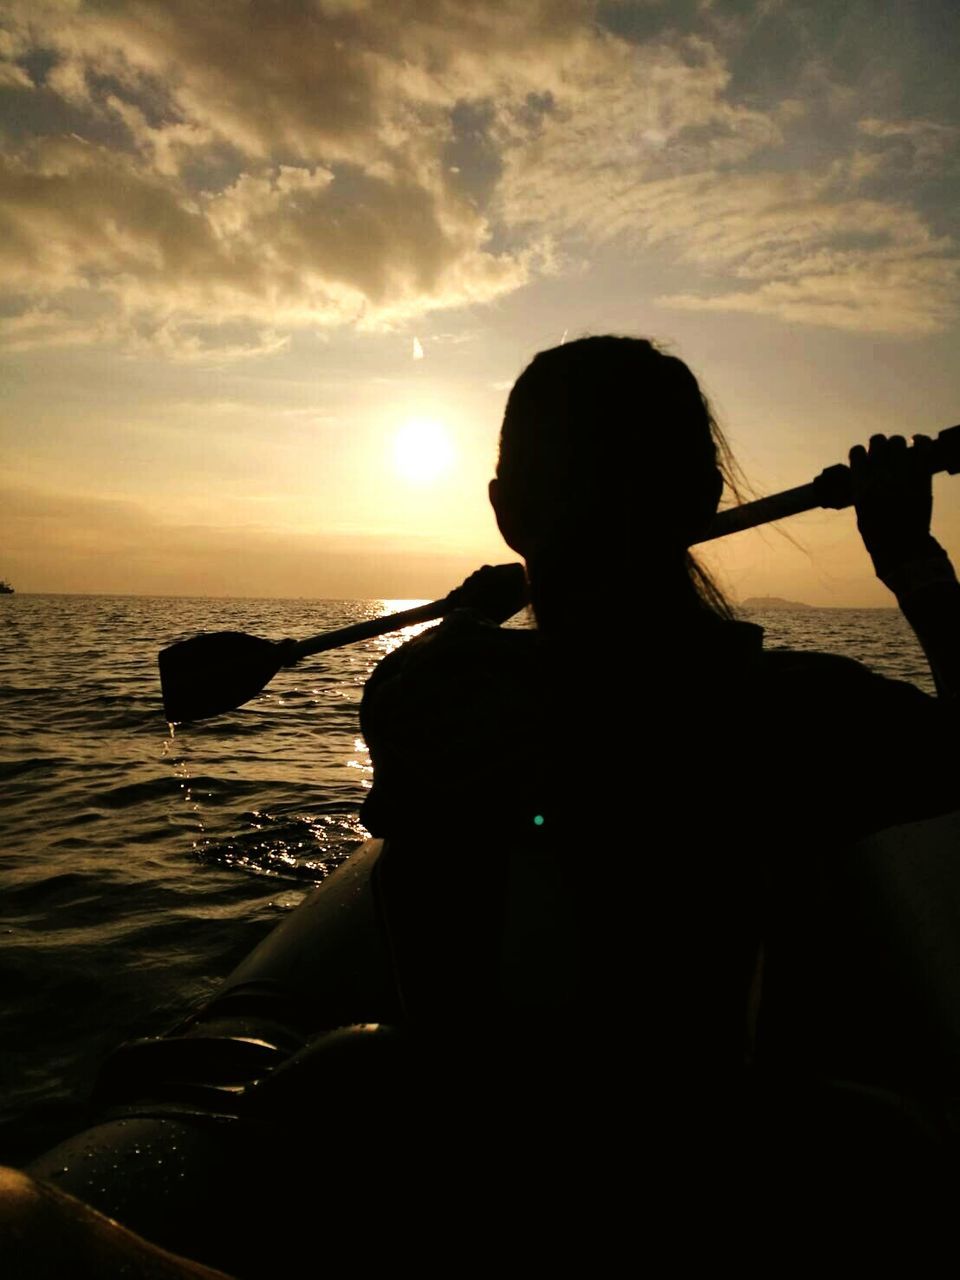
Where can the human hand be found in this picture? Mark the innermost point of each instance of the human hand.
(496, 591)
(893, 496)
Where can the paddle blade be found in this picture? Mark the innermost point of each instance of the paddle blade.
(218, 672)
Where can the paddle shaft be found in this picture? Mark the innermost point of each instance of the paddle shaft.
(367, 630)
(832, 488)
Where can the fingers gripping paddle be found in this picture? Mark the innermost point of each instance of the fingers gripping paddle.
(832, 488)
(219, 672)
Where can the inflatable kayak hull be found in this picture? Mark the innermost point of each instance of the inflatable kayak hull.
(394, 1016)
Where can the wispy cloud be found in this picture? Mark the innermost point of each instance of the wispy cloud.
(43, 325)
(805, 252)
(652, 154)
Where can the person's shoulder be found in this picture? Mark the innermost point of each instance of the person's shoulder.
(810, 673)
(464, 648)
(462, 637)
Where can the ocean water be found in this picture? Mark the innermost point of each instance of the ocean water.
(136, 868)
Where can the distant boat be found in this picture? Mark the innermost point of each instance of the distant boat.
(5, 588)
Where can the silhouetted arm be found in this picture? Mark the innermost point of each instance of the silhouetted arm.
(494, 592)
(929, 597)
(894, 501)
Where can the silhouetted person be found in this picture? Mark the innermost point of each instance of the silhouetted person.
(686, 795)
(613, 838)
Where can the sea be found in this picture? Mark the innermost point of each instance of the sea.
(138, 865)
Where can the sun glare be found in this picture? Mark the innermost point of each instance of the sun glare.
(422, 450)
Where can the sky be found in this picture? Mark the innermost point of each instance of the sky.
(268, 269)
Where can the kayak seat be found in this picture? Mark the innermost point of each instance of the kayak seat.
(206, 1072)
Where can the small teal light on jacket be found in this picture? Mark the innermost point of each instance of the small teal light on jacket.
(538, 819)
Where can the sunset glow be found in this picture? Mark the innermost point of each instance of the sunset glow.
(268, 272)
(422, 451)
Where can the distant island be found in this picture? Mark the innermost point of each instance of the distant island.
(773, 602)
(5, 588)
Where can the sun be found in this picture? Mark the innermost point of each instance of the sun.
(422, 450)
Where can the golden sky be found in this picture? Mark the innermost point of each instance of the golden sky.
(268, 270)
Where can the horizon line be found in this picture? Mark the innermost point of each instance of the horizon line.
(416, 599)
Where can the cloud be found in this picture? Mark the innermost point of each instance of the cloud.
(74, 214)
(306, 82)
(656, 156)
(289, 248)
(12, 76)
(925, 148)
(863, 300)
(625, 116)
(316, 164)
(810, 254)
(42, 325)
(283, 165)
(205, 346)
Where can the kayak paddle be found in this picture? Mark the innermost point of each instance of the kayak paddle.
(220, 671)
(832, 488)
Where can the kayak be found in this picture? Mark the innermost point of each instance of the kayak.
(407, 1006)
(359, 1025)
(180, 1117)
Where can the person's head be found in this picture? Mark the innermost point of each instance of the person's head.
(610, 463)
